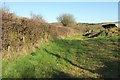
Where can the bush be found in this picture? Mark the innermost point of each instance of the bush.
(67, 19)
(37, 17)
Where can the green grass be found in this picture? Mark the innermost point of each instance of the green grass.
(74, 57)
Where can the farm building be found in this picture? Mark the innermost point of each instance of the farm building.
(109, 26)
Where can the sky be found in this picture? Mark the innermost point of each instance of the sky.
(88, 12)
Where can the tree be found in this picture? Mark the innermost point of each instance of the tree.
(66, 19)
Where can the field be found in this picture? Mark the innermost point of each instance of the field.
(35, 49)
(71, 57)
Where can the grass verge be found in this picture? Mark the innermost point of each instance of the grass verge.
(72, 57)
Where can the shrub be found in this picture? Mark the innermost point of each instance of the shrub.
(38, 17)
(4, 9)
(66, 19)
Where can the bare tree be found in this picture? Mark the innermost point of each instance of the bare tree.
(37, 17)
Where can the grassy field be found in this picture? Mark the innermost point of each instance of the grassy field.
(72, 57)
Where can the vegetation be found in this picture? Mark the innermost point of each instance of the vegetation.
(67, 19)
(21, 35)
(72, 57)
(37, 17)
(58, 52)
